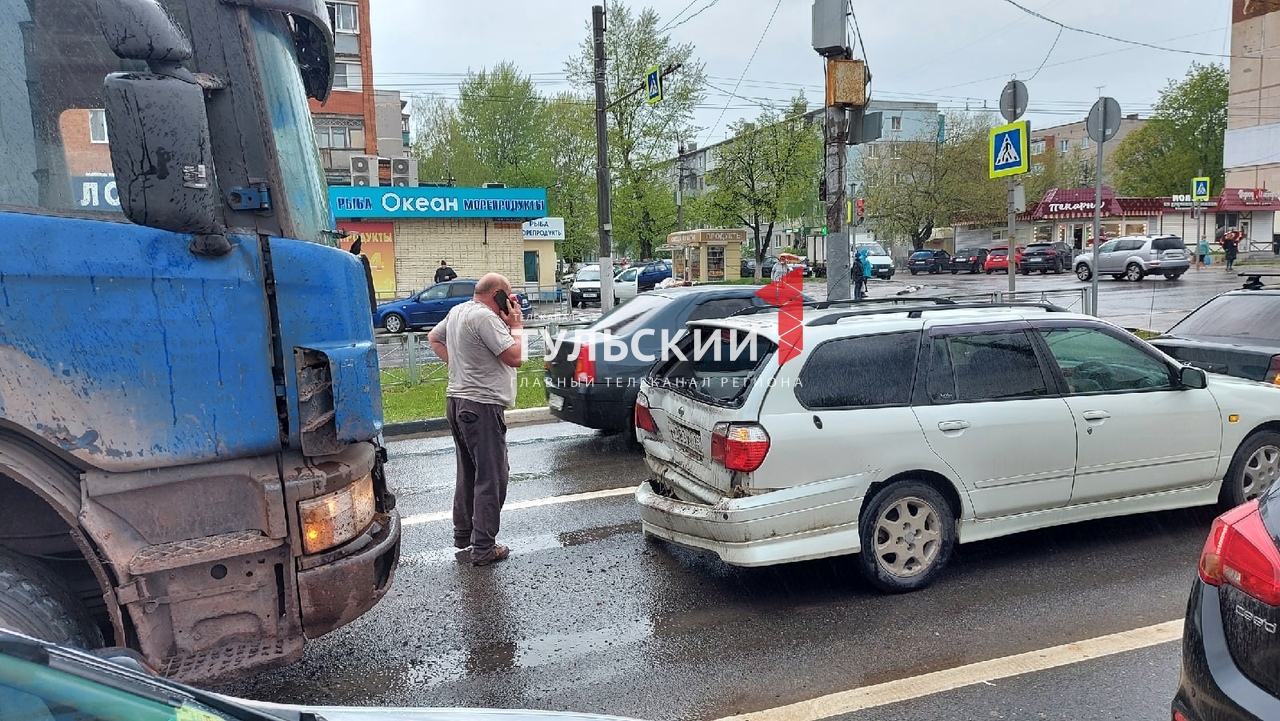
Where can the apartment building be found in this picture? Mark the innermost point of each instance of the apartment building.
(1070, 143)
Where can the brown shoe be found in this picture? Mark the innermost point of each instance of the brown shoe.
(499, 553)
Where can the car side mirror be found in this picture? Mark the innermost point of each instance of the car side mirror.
(1192, 378)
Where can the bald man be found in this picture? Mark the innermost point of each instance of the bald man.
(480, 342)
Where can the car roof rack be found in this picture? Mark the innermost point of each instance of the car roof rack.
(918, 311)
(826, 304)
(1253, 281)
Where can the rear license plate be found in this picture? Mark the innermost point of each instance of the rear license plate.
(687, 439)
(555, 402)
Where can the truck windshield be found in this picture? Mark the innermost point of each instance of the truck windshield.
(304, 196)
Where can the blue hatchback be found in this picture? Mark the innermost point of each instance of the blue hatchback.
(430, 306)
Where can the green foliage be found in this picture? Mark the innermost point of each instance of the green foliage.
(764, 173)
(642, 136)
(923, 184)
(1182, 140)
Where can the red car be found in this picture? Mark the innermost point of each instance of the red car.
(998, 259)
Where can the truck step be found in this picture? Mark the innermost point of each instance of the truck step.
(194, 551)
(229, 662)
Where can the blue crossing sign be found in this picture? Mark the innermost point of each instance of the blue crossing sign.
(1008, 149)
(1200, 189)
(653, 83)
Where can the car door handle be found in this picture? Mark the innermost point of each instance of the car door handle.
(1096, 415)
(945, 426)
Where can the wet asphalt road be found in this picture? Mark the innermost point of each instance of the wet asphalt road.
(588, 616)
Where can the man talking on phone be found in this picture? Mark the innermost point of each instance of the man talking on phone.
(480, 341)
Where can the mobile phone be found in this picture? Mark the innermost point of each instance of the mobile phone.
(502, 299)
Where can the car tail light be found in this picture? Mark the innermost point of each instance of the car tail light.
(644, 419)
(1240, 552)
(739, 446)
(1051, 252)
(584, 371)
(1273, 372)
(1177, 716)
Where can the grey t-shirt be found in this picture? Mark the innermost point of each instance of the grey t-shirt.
(475, 337)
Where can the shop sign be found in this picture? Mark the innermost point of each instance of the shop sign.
(1082, 206)
(1256, 196)
(432, 202)
(543, 229)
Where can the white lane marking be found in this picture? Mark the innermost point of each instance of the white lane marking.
(905, 689)
(551, 501)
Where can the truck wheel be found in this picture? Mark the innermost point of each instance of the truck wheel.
(32, 601)
(1254, 467)
(394, 323)
(908, 531)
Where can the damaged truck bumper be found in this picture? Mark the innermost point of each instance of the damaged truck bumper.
(793, 524)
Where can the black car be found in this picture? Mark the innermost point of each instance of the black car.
(1236, 333)
(1230, 650)
(973, 260)
(931, 261)
(748, 267)
(1045, 257)
(589, 386)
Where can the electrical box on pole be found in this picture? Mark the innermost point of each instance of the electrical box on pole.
(830, 38)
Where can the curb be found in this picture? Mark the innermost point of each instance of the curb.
(522, 416)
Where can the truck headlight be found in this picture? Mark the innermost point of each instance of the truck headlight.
(337, 517)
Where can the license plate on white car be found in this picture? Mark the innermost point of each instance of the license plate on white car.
(555, 402)
(686, 439)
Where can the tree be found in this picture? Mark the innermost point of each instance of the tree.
(571, 151)
(501, 116)
(443, 153)
(765, 170)
(641, 136)
(1182, 140)
(923, 184)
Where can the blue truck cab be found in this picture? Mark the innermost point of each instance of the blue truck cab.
(190, 409)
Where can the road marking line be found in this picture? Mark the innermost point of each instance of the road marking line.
(905, 689)
(550, 501)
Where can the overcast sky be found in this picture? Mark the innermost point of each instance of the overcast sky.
(957, 53)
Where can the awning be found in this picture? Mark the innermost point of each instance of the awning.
(1241, 200)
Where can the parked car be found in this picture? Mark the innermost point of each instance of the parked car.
(931, 261)
(430, 306)
(881, 261)
(651, 274)
(586, 287)
(1236, 333)
(1229, 642)
(1135, 257)
(971, 259)
(42, 681)
(998, 259)
(886, 435)
(1046, 258)
(748, 268)
(625, 286)
(584, 385)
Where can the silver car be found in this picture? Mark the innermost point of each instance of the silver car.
(1135, 257)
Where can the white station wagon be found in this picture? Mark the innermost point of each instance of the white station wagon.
(902, 429)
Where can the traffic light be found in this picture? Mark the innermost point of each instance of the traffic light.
(862, 203)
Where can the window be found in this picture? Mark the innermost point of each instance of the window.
(97, 125)
(346, 76)
(1093, 361)
(719, 308)
(333, 136)
(1084, 143)
(723, 370)
(435, 292)
(1037, 147)
(40, 693)
(984, 366)
(1163, 244)
(1252, 317)
(1130, 244)
(1064, 146)
(343, 17)
(895, 123)
(873, 150)
(1109, 246)
(531, 266)
(629, 275)
(857, 372)
(461, 290)
(893, 151)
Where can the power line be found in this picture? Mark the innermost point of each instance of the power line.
(1112, 38)
(677, 15)
(858, 30)
(759, 42)
(1046, 56)
(701, 10)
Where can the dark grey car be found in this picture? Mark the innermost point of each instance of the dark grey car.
(1236, 333)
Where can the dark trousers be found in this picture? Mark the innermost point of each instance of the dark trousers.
(859, 287)
(480, 445)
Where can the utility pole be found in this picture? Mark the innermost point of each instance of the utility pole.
(604, 199)
(680, 186)
(835, 133)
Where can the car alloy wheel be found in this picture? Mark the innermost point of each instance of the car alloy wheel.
(1254, 468)
(1083, 272)
(393, 323)
(1133, 272)
(907, 532)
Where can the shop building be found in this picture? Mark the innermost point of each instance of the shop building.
(407, 231)
(706, 256)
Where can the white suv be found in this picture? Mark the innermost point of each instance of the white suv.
(1135, 257)
(904, 427)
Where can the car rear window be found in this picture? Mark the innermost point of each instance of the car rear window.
(922, 254)
(1247, 317)
(873, 370)
(715, 365)
(999, 251)
(1168, 244)
(1039, 246)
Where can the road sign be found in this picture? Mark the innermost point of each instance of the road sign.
(653, 82)
(1013, 101)
(1200, 189)
(1104, 120)
(1008, 149)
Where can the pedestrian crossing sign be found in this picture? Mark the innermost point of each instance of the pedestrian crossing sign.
(1008, 152)
(653, 85)
(1200, 190)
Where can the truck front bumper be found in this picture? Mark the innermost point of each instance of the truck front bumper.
(338, 592)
